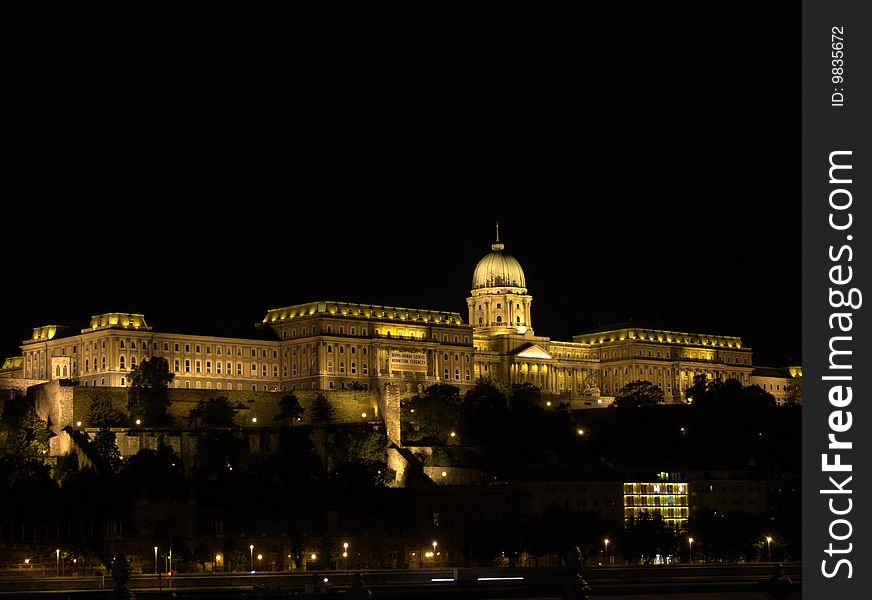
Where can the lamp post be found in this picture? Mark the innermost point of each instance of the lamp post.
(345, 554)
(251, 558)
(217, 561)
(58, 562)
(769, 547)
(155, 560)
(606, 544)
(690, 545)
(434, 552)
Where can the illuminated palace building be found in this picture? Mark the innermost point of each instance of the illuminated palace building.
(338, 345)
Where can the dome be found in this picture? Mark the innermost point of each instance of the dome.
(498, 269)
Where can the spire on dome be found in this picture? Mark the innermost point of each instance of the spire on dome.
(497, 246)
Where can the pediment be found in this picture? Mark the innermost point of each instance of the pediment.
(532, 351)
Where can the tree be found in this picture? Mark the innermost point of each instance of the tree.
(429, 417)
(639, 393)
(794, 390)
(214, 412)
(646, 536)
(102, 413)
(106, 448)
(148, 394)
(322, 410)
(696, 392)
(290, 409)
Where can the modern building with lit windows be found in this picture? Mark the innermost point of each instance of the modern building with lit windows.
(667, 498)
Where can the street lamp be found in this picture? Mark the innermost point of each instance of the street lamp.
(251, 558)
(58, 563)
(217, 561)
(155, 560)
(434, 552)
(769, 547)
(606, 544)
(345, 554)
(690, 545)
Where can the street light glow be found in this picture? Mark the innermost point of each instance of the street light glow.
(138, 421)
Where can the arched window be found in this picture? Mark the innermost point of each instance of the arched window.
(479, 320)
(342, 366)
(341, 350)
(58, 371)
(132, 362)
(87, 365)
(122, 343)
(329, 348)
(499, 319)
(457, 374)
(121, 361)
(518, 318)
(329, 366)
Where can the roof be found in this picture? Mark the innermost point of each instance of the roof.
(498, 269)
(264, 334)
(362, 311)
(613, 333)
(770, 372)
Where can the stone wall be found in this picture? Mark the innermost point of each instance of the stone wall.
(454, 475)
(53, 402)
(350, 405)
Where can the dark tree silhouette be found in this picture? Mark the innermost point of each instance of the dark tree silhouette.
(322, 410)
(639, 393)
(214, 412)
(290, 409)
(148, 395)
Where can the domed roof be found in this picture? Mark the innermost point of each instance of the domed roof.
(498, 269)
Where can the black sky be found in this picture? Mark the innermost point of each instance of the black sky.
(202, 167)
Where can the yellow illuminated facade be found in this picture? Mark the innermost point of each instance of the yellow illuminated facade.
(339, 345)
(668, 498)
(669, 359)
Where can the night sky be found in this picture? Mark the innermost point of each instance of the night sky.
(201, 167)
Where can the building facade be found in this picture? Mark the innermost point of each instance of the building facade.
(338, 345)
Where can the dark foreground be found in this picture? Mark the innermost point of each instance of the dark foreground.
(698, 582)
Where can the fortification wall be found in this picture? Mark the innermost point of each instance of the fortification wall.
(350, 405)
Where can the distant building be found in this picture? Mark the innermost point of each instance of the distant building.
(776, 381)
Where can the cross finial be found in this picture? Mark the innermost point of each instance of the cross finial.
(498, 231)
